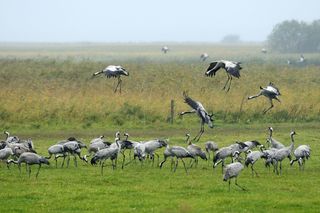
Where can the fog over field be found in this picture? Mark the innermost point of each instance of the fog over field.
(147, 21)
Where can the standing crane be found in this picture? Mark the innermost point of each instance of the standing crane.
(301, 153)
(29, 158)
(195, 151)
(114, 71)
(232, 69)
(232, 171)
(271, 92)
(198, 108)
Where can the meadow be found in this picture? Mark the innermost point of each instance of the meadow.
(47, 94)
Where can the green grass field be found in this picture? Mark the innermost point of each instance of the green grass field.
(47, 94)
(149, 189)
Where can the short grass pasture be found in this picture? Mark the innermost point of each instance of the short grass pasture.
(47, 93)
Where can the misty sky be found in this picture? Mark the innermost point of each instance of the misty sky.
(147, 20)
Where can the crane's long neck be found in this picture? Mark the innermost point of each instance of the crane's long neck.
(7, 134)
(188, 140)
(270, 133)
(292, 142)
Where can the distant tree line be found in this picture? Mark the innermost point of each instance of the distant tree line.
(294, 36)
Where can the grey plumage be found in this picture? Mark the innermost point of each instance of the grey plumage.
(11, 139)
(178, 152)
(283, 153)
(73, 148)
(114, 71)
(232, 69)
(252, 158)
(57, 150)
(211, 146)
(107, 153)
(153, 145)
(274, 143)
(301, 153)
(29, 159)
(5, 153)
(198, 108)
(271, 92)
(232, 171)
(195, 151)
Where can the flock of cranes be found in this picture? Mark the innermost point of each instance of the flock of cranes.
(17, 151)
(242, 154)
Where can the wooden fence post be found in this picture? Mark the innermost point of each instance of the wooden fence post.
(171, 111)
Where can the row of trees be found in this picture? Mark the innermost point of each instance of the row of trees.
(295, 36)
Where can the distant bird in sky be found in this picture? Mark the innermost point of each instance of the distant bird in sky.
(198, 108)
(232, 69)
(114, 71)
(204, 56)
(165, 49)
(271, 92)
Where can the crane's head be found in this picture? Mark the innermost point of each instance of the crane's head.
(210, 120)
(292, 133)
(44, 160)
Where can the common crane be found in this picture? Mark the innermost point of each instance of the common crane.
(252, 158)
(198, 108)
(232, 171)
(98, 143)
(211, 146)
(5, 153)
(29, 159)
(264, 50)
(165, 49)
(232, 69)
(114, 71)
(107, 153)
(274, 143)
(153, 145)
(281, 154)
(176, 151)
(73, 148)
(301, 153)
(204, 56)
(11, 139)
(271, 92)
(58, 151)
(195, 151)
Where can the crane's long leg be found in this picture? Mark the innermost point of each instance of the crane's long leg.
(75, 161)
(254, 171)
(175, 168)
(280, 167)
(123, 159)
(198, 136)
(38, 170)
(157, 157)
(229, 184)
(118, 85)
(266, 110)
(29, 171)
(164, 160)
(236, 182)
(102, 165)
(226, 82)
(185, 168)
(230, 81)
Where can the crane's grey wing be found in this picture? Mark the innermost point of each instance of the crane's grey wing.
(193, 104)
(274, 88)
(234, 71)
(213, 68)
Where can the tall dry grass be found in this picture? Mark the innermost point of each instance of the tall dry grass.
(47, 90)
